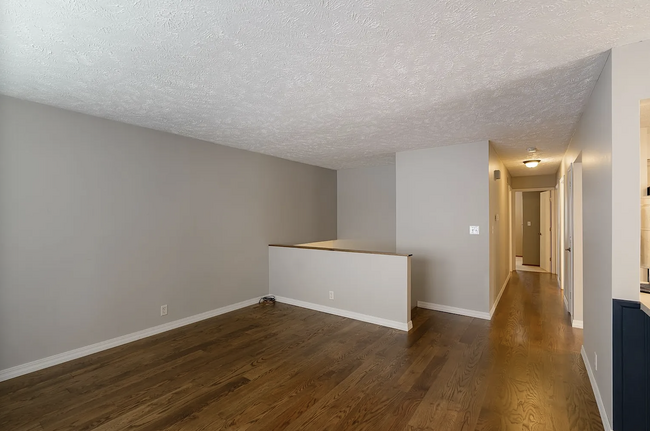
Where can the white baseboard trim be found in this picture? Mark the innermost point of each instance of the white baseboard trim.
(39, 364)
(345, 313)
(577, 324)
(566, 303)
(594, 387)
(496, 302)
(454, 310)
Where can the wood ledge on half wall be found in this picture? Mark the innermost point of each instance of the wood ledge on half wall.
(340, 249)
(644, 299)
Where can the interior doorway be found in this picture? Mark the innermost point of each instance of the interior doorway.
(532, 228)
(534, 239)
(545, 245)
(519, 225)
(573, 243)
(568, 242)
(510, 211)
(560, 236)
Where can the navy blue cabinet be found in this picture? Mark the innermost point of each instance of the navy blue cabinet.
(631, 333)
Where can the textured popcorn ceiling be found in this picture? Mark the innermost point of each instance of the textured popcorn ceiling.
(331, 83)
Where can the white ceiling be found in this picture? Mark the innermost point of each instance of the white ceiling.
(331, 83)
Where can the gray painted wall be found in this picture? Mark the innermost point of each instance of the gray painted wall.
(103, 222)
(366, 207)
(440, 193)
(500, 227)
(373, 285)
(534, 182)
(592, 142)
(530, 203)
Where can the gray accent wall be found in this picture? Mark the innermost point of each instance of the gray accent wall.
(101, 223)
(592, 142)
(440, 193)
(366, 207)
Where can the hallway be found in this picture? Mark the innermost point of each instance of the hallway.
(539, 380)
(284, 367)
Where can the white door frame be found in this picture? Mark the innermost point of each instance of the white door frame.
(554, 232)
(510, 221)
(568, 241)
(545, 224)
(560, 236)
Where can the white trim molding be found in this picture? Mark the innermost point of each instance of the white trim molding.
(594, 387)
(49, 361)
(454, 310)
(577, 324)
(345, 313)
(496, 301)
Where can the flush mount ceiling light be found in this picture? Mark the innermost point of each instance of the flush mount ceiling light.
(531, 163)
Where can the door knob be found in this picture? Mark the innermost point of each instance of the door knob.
(568, 249)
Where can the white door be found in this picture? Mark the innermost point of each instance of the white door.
(560, 237)
(545, 231)
(568, 241)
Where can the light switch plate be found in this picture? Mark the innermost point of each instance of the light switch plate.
(473, 230)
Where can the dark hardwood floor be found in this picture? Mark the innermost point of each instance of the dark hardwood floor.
(283, 367)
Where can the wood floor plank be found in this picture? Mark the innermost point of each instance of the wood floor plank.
(278, 367)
